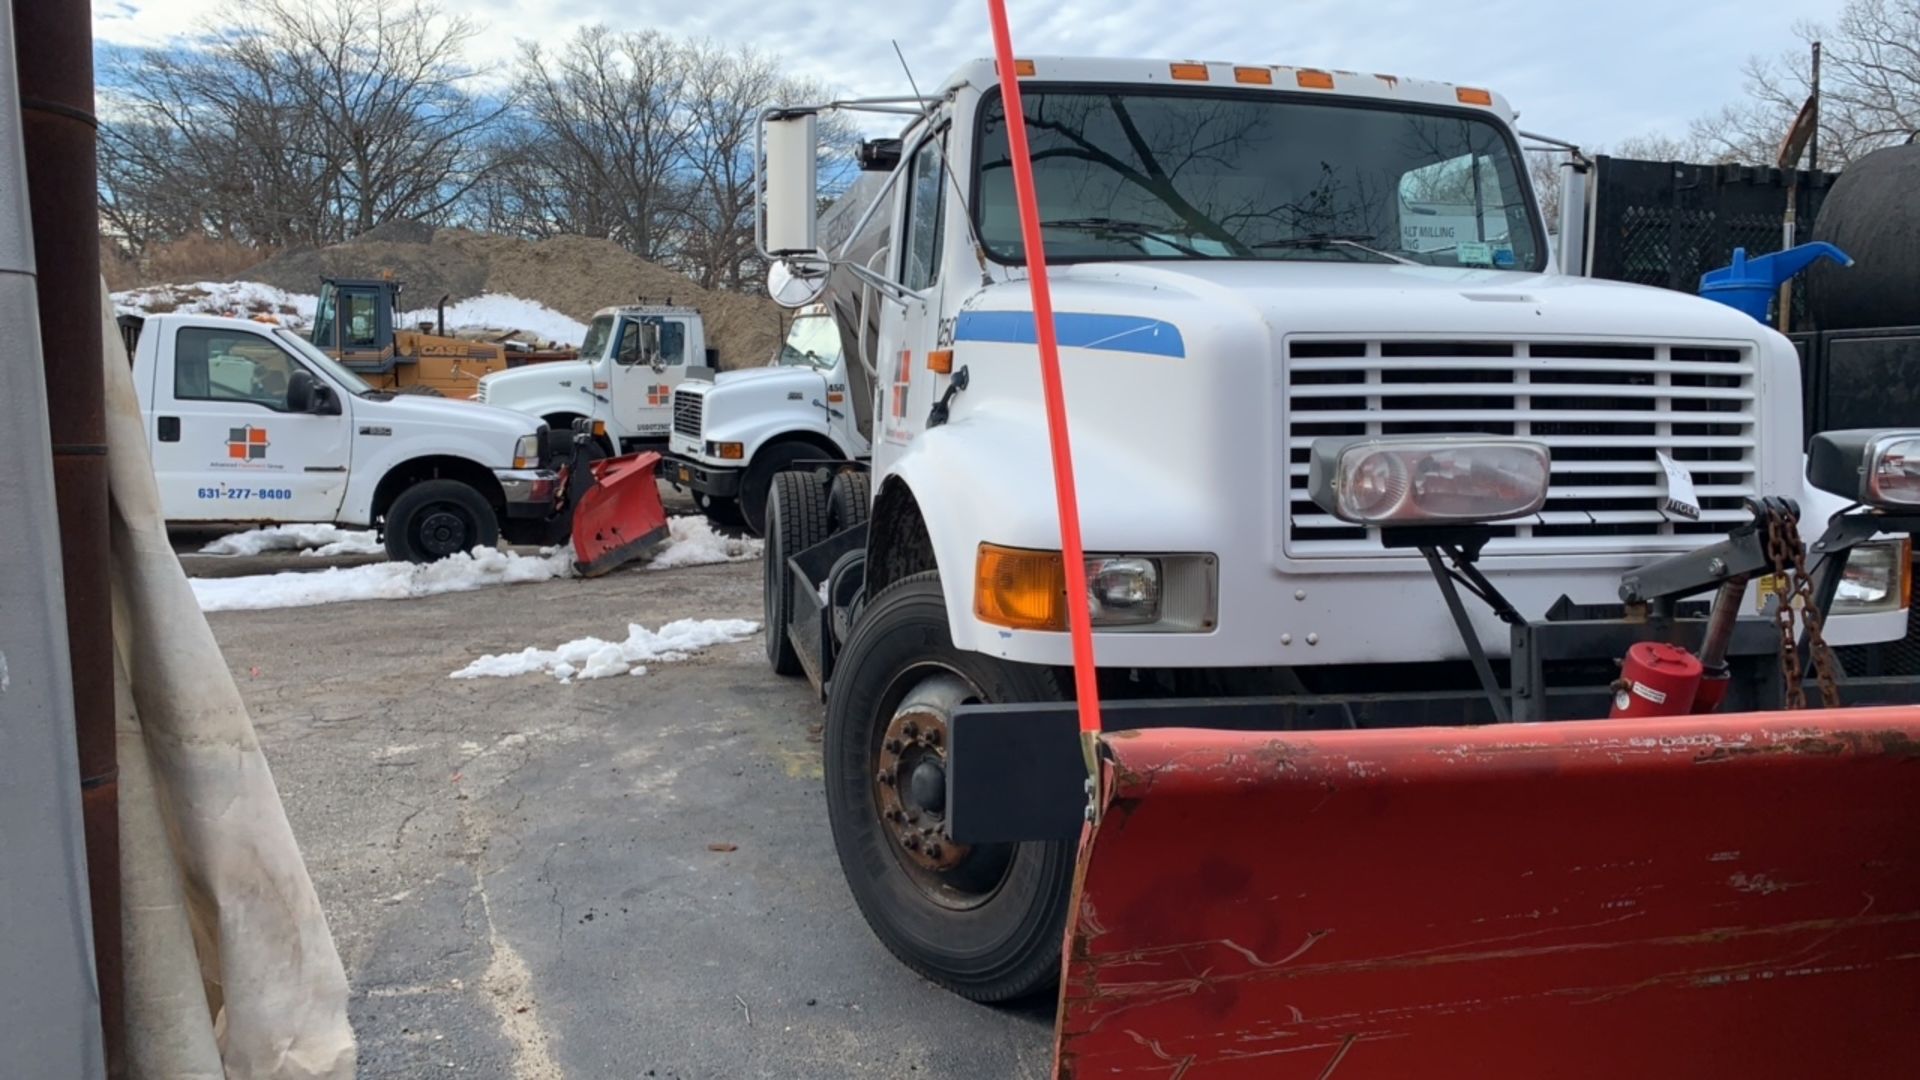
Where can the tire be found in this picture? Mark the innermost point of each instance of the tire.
(559, 441)
(989, 928)
(421, 389)
(796, 520)
(758, 482)
(850, 499)
(720, 511)
(436, 518)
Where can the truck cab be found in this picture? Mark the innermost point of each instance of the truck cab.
(1260, 275)
(733, 431)
(631, 361)
(249, 422)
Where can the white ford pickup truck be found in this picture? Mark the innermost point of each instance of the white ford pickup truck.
(248, 422)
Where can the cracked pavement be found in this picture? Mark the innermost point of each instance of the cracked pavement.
(518, 873)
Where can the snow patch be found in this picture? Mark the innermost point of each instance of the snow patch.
(500, 312)
(504, 312)
(594, 658)
(314, 539)
(242, 299)
(692, 541)
(481, 568)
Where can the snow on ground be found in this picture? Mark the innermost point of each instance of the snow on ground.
(499, 312)
(381, 581)
(691, 541)
(592, 658)
(244, 299)
(503, 312)
(315, 539)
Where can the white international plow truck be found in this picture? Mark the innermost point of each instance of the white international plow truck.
(733, 431)
(1370, 491)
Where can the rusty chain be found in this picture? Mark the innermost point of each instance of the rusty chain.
(1794, 588)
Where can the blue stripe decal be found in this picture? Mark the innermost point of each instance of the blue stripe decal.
(1076, 329)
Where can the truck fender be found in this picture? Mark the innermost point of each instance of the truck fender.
(370, 484)
(978, 482)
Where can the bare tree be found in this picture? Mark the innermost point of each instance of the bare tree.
(295, 124)
(1870, 89)
(608, 118)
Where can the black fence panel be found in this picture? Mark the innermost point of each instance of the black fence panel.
(1665, 223)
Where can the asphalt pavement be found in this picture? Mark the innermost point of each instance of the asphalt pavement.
(626, 877)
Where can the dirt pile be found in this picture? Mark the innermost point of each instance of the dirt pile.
(574, 275)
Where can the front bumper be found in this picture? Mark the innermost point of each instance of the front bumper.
(713, 481)
(529, 493)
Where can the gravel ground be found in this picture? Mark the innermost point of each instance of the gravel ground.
(628, 877)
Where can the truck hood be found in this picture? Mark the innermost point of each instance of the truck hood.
(411, 414)
(532, 381)
(761, 374)
(1328, 297)
(762, 383)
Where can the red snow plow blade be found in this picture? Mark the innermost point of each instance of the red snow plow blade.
(619, 516)
(1729, 896)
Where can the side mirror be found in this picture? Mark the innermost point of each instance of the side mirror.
(300, 392)
(798, 282)
(324, 401)
(790, 180)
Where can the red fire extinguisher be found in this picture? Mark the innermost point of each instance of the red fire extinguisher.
(1656, 679)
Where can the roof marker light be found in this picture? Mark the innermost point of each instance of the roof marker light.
(1470, 96)
(1256, 75)
(1190, 72)
(1310, 79)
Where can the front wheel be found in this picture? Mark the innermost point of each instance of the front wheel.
(437, 518)
(757, 482)
(796, 520)
(983, 920)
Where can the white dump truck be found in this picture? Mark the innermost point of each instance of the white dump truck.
(1302, 315)
(734, 430)
(623, 383)
(249, 422)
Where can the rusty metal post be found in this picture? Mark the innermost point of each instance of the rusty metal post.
(54, 50)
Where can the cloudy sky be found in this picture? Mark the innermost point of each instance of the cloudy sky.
(1593, 71)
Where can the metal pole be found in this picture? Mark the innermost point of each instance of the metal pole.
(54, 49)
(1813, 140)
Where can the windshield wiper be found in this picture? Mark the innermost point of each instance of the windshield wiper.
(1329, 240)
(1136, 230)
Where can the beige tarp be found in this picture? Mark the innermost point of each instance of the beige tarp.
(230, 968)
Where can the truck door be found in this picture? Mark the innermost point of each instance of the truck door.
(225, 445)
(908, 331)
(642, 388)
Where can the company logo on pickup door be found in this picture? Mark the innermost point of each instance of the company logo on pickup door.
(247, 443)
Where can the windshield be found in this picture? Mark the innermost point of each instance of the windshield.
(1142, 173)
(354, 384)
(814, 341)
(595, 346)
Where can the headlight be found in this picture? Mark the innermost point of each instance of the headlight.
(1125, 590)
(726, 451)
(1877, 578)
(1406, 481)
(1027, 590)
(526, 452)
(1879, 468)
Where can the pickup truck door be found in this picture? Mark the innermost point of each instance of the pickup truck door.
(642, 392)
(225, 445)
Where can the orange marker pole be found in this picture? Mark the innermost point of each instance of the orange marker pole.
(1079, 616)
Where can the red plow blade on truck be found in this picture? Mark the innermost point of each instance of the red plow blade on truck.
(618, 516)
(1734, 896)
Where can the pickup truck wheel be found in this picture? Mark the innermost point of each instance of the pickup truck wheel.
(796, 520)
(437, 518)
(758, 481)
(983, 920)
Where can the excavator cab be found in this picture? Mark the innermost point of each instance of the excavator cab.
(353, 320)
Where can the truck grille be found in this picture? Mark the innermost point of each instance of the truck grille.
(480, 394)
(1603, 408)
(686, 412)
